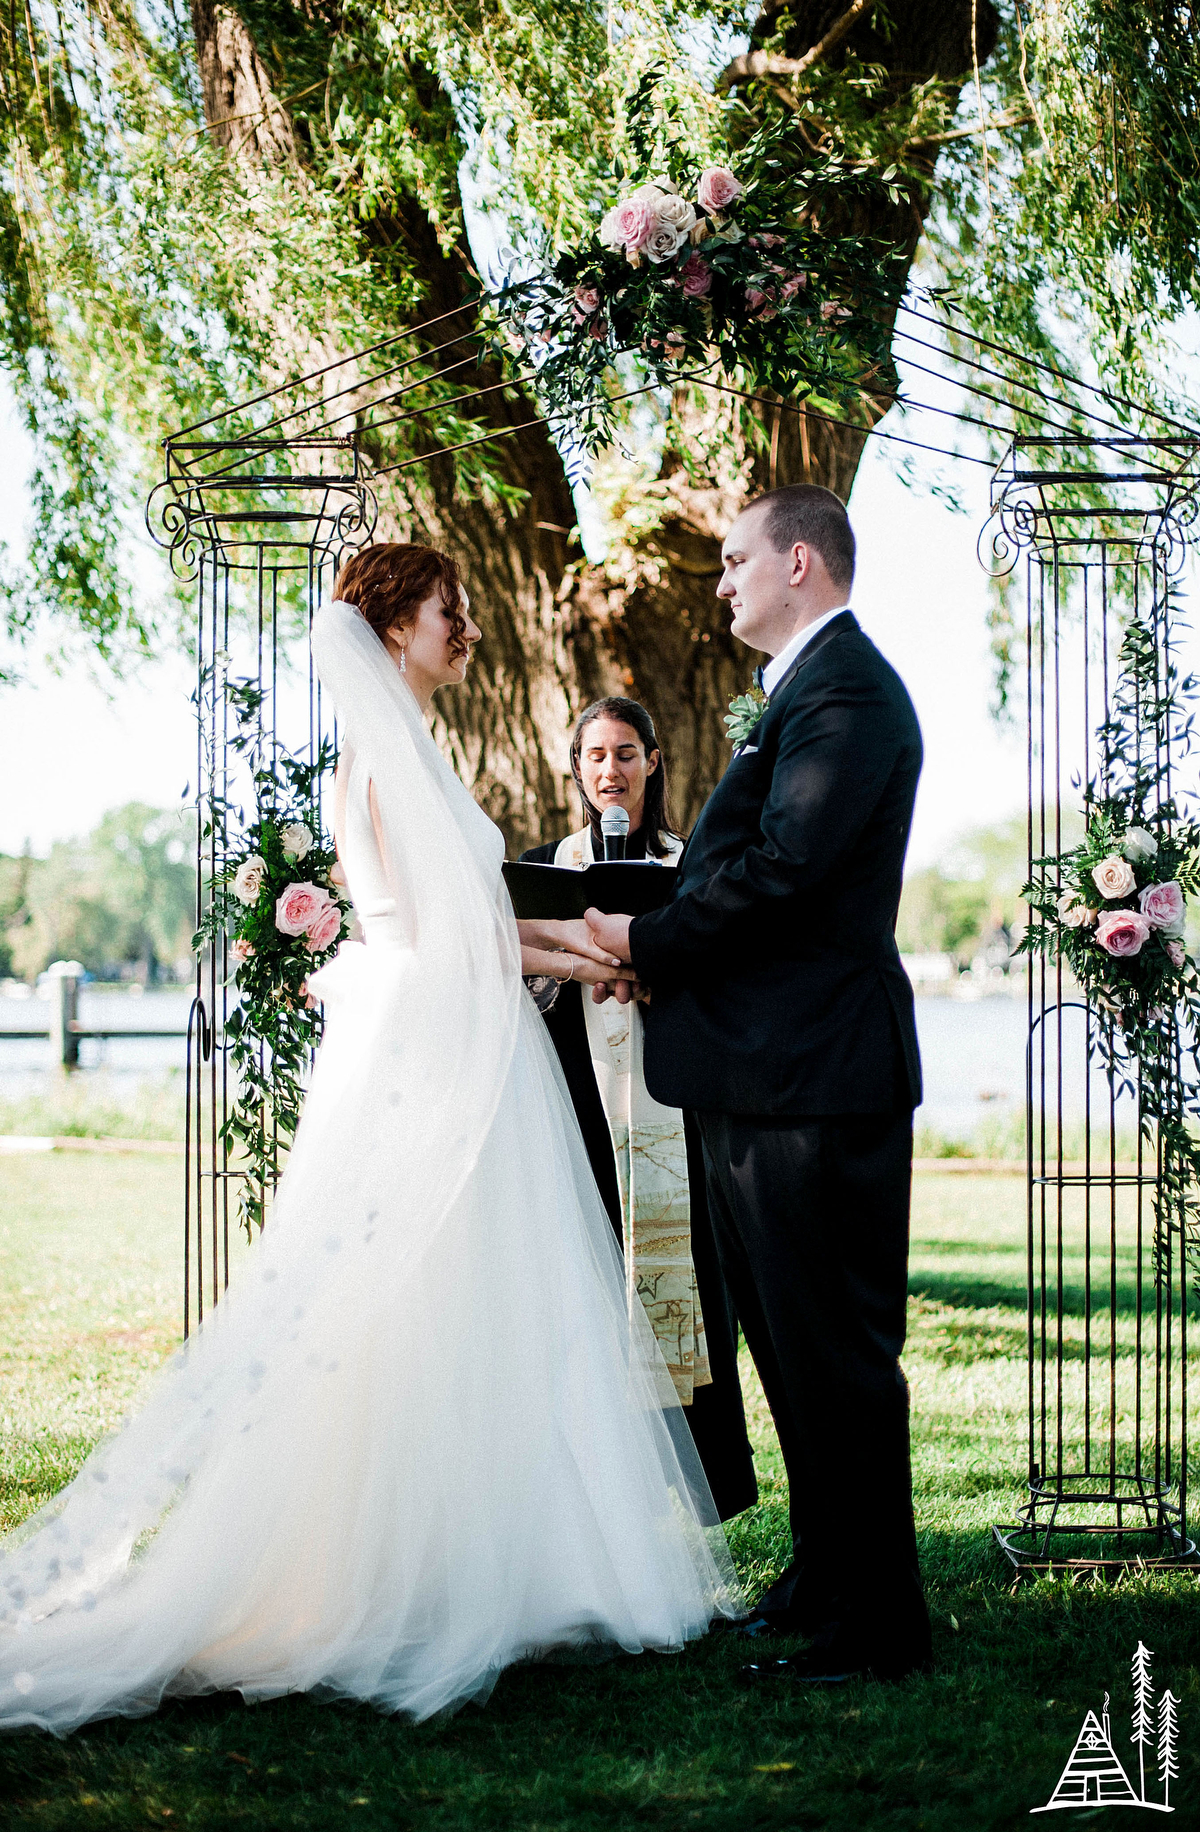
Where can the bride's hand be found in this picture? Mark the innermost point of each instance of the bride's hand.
(575, 937)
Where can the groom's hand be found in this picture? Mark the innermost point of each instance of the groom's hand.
(609, 932)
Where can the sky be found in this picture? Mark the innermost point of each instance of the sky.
(76, 743)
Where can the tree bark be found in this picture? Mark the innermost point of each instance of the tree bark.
(559, 633)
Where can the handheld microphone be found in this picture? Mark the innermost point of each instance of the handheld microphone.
(614, 825)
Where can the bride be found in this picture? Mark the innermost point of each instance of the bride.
(421, 1438)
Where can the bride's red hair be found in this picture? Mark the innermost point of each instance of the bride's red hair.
(390, 581)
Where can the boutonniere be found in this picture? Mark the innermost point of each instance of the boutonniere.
(745, 711)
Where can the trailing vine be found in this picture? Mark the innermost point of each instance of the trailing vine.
(1112, 909)
(279, 903)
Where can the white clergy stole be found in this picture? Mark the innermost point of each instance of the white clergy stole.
(651, 1156)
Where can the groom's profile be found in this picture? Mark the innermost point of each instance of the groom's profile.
(782, 1016)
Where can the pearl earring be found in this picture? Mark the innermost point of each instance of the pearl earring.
(403, 661)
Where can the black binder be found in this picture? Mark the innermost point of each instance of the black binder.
(627, 887)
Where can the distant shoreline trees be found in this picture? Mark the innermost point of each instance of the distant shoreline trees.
(121, 901)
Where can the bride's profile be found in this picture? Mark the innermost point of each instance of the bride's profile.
(422, 1437)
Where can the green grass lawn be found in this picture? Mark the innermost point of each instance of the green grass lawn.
(89, 1289)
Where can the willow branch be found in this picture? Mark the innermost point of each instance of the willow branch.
(766, 63)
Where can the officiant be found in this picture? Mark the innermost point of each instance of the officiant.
(647, 1159)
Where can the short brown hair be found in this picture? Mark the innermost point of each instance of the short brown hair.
(390, 581)
(806, 512)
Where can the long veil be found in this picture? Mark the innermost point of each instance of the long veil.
(289, 1427)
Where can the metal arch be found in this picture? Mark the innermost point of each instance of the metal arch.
(1107, 1322)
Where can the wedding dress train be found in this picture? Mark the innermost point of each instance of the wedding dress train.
(421, 1437)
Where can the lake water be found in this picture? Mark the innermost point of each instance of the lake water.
(973, 1052)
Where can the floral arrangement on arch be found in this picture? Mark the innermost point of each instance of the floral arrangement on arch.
(1113, 909)
(280, 903)
(713, 266)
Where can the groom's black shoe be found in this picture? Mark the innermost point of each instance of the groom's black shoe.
(836, 1663)
(807, 1669)
(789, 1606)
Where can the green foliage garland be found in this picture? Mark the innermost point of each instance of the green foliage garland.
(1111, 909)
(272, 1031)
(756, 287)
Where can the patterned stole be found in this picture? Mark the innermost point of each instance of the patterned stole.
(651, 1154)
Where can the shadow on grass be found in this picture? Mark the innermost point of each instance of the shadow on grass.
(967, 1292)
(672, 1742)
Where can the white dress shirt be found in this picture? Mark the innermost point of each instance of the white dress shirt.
(779, 664)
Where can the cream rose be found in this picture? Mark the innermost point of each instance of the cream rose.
(718, 188)
(248, 880)
(1122, 932)
(1162, 906)
(1139, 846)
(241, 949)
(296, 839)
(677, 213)
(664, 243)
(1113, 877)
(1074, 912)
(299, 907)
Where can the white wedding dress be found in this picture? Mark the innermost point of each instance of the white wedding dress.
(421, 1437)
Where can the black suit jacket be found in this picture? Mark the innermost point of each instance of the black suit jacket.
(776, 984)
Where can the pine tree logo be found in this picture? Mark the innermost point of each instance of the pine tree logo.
(1094, 1775)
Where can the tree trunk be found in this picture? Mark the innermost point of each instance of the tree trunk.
(647, 624)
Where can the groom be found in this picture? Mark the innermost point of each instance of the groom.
(781, 1015)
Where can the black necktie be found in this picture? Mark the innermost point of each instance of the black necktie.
(758, 677)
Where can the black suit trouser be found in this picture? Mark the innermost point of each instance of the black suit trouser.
(811, 1223)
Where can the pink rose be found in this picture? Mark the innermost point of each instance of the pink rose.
(758, 304)
(325, 928)
(791, 287)
(635, 221)
(1162, 905)
(718, 188)
(299, 907)
(697, 277)
(1113, 877)
(1122, 932)
(587, 298)
(241, 949)
(1176, 952)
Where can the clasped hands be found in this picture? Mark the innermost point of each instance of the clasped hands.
(593, 950)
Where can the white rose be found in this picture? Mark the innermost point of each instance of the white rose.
(1113, 877)
(1139, 846)
(665, 186)
(665, 242)
(248, 880)
(678, 213)
(296, 839)
(1073, 912)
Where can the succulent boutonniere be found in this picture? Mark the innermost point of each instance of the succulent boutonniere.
(745, 711)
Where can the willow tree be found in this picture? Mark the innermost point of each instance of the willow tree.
(198, 207)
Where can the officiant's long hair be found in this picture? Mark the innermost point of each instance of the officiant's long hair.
(657, 818)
